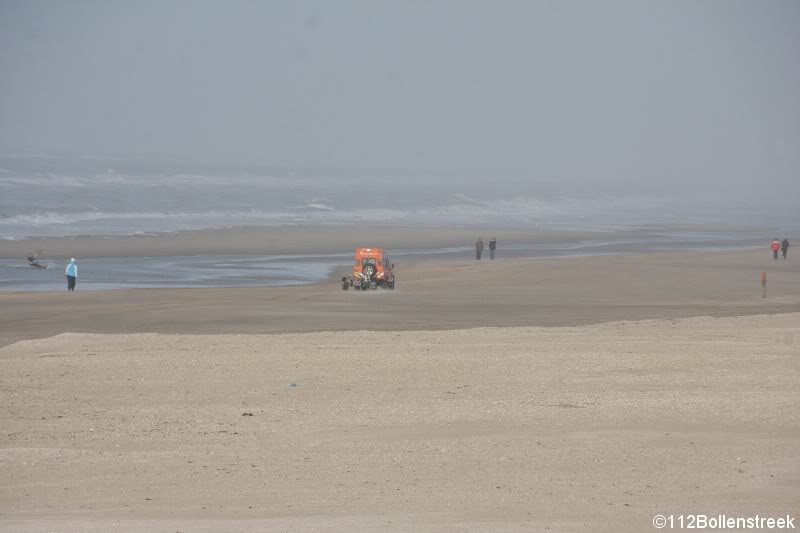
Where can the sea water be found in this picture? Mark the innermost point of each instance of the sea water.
(59, 196)
(67, 196)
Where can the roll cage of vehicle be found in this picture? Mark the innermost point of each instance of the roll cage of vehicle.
(372, 268)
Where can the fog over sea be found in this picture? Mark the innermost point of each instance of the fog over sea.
(57, 196)
(48, 196)
(641, 129)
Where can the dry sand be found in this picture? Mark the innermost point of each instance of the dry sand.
(579, 428)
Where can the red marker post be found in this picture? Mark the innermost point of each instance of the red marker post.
(763, 284)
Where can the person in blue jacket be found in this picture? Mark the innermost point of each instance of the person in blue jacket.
(72, 274)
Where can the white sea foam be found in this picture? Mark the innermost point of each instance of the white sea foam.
(319, 206)
(54, 217)
(564, 212)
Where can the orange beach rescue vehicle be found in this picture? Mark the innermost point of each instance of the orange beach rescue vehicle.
(372, 269)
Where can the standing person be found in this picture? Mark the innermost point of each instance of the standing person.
(776, 246)
(72, 274)
(785, 247)
(492, 247)
(478, 248)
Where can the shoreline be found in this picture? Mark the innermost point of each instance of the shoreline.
(256, 240)
(279, 271)
(307, 239)
(277, 256)
(335, 268)
(431, 295)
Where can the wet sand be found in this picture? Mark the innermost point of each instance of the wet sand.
(432, 295)
(283, 240)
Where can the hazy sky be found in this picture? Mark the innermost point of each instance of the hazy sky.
(630, 92)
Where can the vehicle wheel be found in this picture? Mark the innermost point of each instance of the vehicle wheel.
(368, 270)
(390, 284)
(345, 283)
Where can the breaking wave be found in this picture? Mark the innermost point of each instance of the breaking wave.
(463, 210)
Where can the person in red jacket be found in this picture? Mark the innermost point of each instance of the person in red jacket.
(776, 247)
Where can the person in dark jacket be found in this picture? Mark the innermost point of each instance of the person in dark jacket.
(492, 247)
(784, 247)
(478, 248)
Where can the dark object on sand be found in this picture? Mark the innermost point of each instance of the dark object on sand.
(33, 259)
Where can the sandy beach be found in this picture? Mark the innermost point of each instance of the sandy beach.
(567, 393)
(432, 295)
(569, 429)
